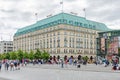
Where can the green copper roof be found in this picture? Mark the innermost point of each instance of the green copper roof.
(63, 18)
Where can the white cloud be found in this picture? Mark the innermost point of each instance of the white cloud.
(15, 14)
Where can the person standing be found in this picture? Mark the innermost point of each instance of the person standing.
(6, 65)
(12, 65)
(0, 65)
(18, 64)
(91, 59)
(62, 63)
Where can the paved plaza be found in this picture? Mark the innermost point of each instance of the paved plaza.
(55, 72)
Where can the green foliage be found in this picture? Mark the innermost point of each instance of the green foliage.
(3, 56)
(45, 55)
(31, 55)
(20, 55)
(85, 58)
(25, 55)
(7, 55)
(0, 56)
(13, 55)
(37, 54)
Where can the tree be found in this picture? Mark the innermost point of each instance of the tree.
(0, 56)
(45, 55)
(13, 55)
(85, 58)
(7, 55)
(31, 55)
(37, 54)
(20, 55)
(25, 55)
(3, 56)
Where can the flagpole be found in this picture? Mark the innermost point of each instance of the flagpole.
(62, 6)
(36, 15)
(84, 12)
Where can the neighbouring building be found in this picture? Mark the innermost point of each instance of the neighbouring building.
(60, 34)
(6, 46)
(108, 43)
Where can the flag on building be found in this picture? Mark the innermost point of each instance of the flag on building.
(61, 2)
(36, 14)
(84, 9)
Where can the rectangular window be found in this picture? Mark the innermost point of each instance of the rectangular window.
(58, 33)
(65, 33)
(50, 45)
(58, 44)
(65, 44)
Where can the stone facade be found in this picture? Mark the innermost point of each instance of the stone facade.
(59, 39)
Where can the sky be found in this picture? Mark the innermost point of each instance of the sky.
(15, 14)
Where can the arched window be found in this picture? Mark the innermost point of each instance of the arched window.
(71, 22)
(81, 25)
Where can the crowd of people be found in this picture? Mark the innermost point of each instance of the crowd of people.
(79, 60)
(10, 65)
(76, 61)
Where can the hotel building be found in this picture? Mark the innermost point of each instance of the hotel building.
(60, 34)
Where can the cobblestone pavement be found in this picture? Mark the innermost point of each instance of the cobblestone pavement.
(55, 72)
